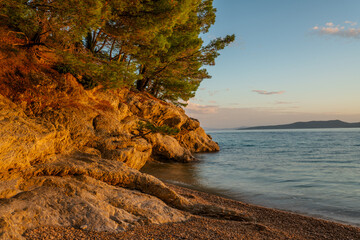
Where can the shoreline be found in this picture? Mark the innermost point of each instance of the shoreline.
(228, 196)
(268, 224)
(177, 174)
(225, 194)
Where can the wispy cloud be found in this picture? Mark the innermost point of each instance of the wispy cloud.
(213, 93)
(231, 117)
(201, 109)
(282, 103)
(197, 100)
(347, 30)
(351, 23)
(262, 92)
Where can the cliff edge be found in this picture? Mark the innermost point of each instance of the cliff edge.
(70, 156)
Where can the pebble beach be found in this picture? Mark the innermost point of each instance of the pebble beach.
(268, 224)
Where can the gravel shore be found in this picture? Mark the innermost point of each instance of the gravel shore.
(268, 224)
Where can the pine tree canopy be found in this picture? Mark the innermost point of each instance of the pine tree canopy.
(154, 46)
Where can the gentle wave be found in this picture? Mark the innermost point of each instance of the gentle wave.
(315, 172)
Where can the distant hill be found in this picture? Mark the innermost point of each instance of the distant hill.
(307, 125)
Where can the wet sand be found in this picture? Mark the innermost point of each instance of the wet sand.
(268, 224)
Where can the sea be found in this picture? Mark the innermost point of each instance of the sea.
(313, 172)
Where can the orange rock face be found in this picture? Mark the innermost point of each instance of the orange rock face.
(70, 158)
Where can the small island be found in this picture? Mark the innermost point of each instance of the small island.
(308, 125)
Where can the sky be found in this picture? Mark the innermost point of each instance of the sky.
(293, 60)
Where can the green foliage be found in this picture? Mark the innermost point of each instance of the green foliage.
(90, 71)
(174, 74)
(155, 44)
(88, 82)
(19, 16)
(63, 21)
(65, 68)
(147, 128)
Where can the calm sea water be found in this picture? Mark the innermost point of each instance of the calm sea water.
(314, 172)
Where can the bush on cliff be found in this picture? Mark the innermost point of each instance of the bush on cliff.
(154, 46)
(90, 71)
(147, 128)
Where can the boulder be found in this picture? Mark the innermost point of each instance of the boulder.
(168, 148)
(80, 202)
(74, 163)
(25, 141)
(70, 156)
(198, 141)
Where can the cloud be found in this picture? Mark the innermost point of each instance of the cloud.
(232, 117)
(213, 93)
(347, 31)
(197, 100)
(351, 23)
(194, 108)
(282, 103)
(262, 92)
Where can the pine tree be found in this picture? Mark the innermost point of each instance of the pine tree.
(160, 39)
(175, 73)
(63, 22)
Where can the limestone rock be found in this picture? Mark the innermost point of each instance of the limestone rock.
(192, 136)
(157, 111)
(167, 147)
(198, 141)
(70, 158)
(105, 121)
(85, 190)
(24, 141)
(76, 166)
(78, 201)
(134, 153)
(192, 124)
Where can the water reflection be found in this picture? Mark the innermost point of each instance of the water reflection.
(312, 172)
(184, 173)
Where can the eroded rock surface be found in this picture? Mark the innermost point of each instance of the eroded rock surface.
(70, 156)
(85, 191)
(24, 140)
(72, 160)
(107, 121)
(167, 147)
(81, 202)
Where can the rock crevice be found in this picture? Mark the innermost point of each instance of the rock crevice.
(74, 159)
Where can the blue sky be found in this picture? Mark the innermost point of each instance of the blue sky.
(293, 60)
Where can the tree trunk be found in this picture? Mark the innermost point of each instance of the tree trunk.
(155, 89)
(142, 84)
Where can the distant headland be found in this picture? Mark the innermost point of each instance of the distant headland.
(308, 125)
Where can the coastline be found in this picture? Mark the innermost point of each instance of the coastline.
(269, 224)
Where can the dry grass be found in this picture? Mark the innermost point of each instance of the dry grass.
(33, 84)
(104, 106)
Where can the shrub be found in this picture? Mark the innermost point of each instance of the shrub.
(147, 128)
(91, 71)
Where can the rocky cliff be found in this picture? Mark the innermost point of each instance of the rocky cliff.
(70, 157)
(105, 123)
